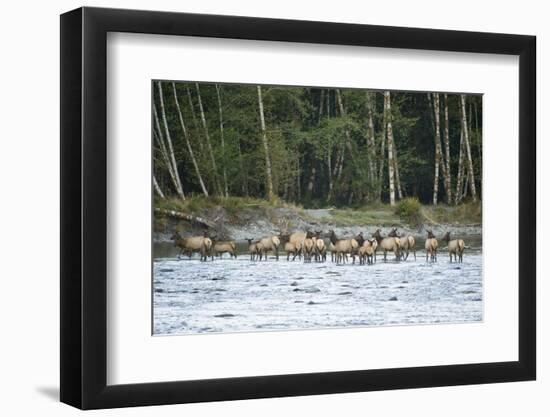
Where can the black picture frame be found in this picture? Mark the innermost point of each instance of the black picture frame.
(84, 207)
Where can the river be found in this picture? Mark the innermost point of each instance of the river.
(239, 295)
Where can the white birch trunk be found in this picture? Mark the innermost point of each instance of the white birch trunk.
(437, 148)
(311, 181)
(188, 143)
(194, 116)
(467, 147)
(329, 150)
(224, 159)
(347, 133)
(159, 138)
(269, 179)
(448, 186)
(241, 166)
(370, 138)
(157, 188)
(382, 150)
(459, 175)
(208, 143)
(391, 164)
(178, 185)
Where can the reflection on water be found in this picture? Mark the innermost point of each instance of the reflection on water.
(232, 295)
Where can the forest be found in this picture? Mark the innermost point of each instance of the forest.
(315, 147)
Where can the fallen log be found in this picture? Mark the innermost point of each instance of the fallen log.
(184, 216)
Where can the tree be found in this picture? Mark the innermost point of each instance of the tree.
(224, 159)
(448, 188)
(467, 147)
(269, 177)
(371, 136)
(314, 146)
(157, 188)
(172, 159)
(391, 163)
(460, 173)
(208, 143)
(188, 143)
(437, 148)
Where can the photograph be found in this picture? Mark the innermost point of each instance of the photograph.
(280, 208)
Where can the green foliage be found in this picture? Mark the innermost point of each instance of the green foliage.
(410, 211)
(308, 136)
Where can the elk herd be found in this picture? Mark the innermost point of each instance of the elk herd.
(311, 246)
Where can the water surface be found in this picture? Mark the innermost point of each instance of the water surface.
(236, 295)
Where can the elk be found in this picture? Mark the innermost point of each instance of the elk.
(308, 246)
(270, 243)
(366, 252)
(374, 244)
(343, 247)
(221, 247)
(455, 247)
(320, 247)
(291, 249)
(188, 245)
(332, 250)
(412, 246)
(406, 244)
(255, 249)
(388, 244)
(297, 238)
(431, 246)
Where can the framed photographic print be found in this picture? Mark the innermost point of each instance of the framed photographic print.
(256, 208)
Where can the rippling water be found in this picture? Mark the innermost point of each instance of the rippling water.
(235, 295)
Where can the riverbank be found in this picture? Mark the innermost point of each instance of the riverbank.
(240, 218)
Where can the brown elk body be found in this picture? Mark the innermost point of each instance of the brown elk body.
(343, 247)
(406, 244)
(308, 248)
(455, 247)
(332, 250)
(291, 249)
(388, 244)
(255, 250)
(221, 247)
(189, 245)
(320, 247)
(431, 247)
(366, 252)
(270, 244)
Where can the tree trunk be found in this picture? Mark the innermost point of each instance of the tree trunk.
(391, 164)
(188, 143)
(397, 179)
(329, 150)
(467, 146)
(210, 151)
(321, 104)
(437, 148)
(159, 138)
(458, 194)
(184, 216)
(382, 150)
(269, 180)
(448, 187)
(157, 188)
(298, 177)
(311, 181)
(347, 133)
(224, 159)
(241, 166)
(370, 138)
(193, 115)
(179, 188)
